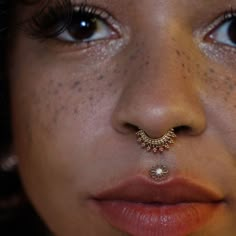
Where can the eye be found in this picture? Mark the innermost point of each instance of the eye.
(72, 24)
(225, 33)
(85, 27)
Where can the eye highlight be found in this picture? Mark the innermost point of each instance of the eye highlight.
(225, 32)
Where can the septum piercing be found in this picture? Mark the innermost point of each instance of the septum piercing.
(156, 144)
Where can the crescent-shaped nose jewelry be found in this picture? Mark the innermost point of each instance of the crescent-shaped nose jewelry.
(156, 144)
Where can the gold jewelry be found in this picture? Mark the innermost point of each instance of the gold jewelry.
(159, 172)
(156, 144)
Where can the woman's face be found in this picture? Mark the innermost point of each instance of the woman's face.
(79, 96)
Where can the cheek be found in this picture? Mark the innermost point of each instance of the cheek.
(218, 94)
(54, 111)
(220, 90)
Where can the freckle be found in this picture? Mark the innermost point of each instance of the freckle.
(183, 65)
(186, 55)
(231, 87)
(76, 111)
(101, 77)
(211, 70)
(75, 84)
(147, 63)
(91, 98)
(173, 39)
(110, 84)
(55, 92)
(177, 52)
(62, 108)
(197, 65)
(59, 84)
(116, 71)
(115, 91)
(126, 71)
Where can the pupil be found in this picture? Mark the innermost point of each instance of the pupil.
(232, 31)
(83, 27)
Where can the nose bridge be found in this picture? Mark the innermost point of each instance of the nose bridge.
(164, 92)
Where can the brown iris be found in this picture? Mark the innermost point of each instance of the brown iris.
(82, 27)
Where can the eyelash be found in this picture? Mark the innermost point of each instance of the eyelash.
(229, 14)
(51, 21)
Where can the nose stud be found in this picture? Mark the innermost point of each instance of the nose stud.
(156, 144)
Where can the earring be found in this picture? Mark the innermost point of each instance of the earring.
(9, 163)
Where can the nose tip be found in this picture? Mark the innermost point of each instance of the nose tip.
(157, 111)
(157, 121)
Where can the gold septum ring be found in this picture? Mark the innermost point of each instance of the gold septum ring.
(156, 144)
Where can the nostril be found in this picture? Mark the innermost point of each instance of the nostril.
(178, 130)
(131, 128)
(183, 129)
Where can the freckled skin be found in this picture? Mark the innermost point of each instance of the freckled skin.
(75, 114)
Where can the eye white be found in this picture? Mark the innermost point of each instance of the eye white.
(103, 31)
(221, 35)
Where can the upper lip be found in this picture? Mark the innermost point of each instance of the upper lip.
(177, 190)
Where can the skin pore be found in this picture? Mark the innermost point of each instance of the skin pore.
(76, 107)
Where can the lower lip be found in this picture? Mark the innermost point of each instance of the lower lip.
(140, 219)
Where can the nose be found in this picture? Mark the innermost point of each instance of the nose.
(160, 97)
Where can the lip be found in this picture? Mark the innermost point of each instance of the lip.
(140, 207)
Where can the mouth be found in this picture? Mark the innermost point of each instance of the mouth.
(141, 207)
